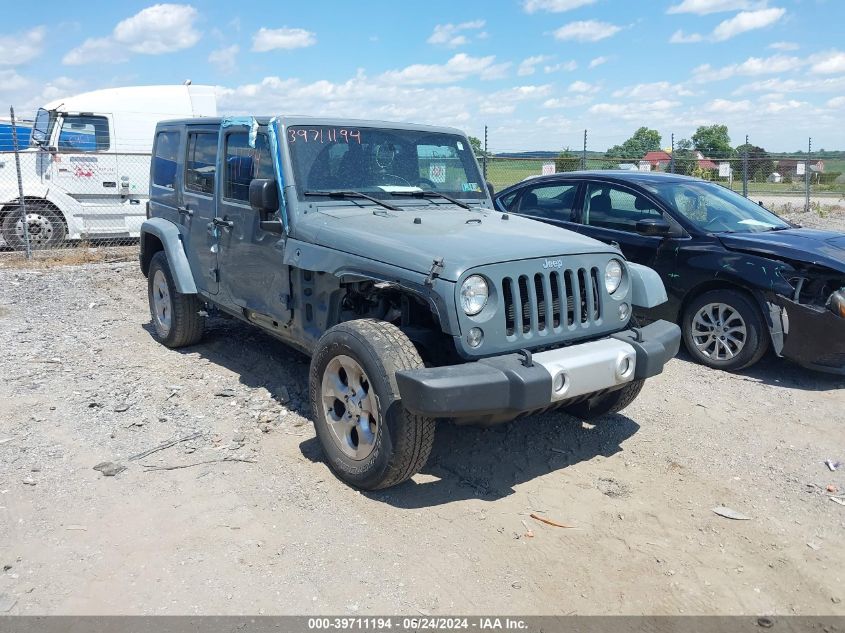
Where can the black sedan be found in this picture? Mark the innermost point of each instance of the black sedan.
(739, 278)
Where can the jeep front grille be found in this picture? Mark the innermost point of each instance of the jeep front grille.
(555, 301)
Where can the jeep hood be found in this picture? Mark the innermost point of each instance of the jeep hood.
(821, 248)
(464, 239)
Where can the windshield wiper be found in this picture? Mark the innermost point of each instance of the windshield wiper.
(430, 194)
(351, 194)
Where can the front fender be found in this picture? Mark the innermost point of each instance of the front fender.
(171, 240)
(647, 289)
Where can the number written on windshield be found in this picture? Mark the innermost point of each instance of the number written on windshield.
(324, 135)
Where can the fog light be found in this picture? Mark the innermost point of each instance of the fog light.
(625, 366)
(624, 311)
(475, 336)
(561, 383)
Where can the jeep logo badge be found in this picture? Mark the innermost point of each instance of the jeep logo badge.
(553, 263)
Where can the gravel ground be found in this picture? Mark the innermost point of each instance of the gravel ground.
(252, 521)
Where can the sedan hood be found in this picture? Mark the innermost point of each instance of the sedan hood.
(811, 246)
(414, 236)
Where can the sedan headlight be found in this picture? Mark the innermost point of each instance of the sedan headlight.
(612, 275)
(474, 294)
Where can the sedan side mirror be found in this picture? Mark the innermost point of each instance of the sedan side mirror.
(491, 190)
(654, 227)
(264, 195)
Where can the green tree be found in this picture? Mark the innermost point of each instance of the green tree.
(567, 161)
(760, 164)
(713, 141)
(685, 159)
(644, 140)
(477, 147)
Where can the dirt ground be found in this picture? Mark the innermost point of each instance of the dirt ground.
(83, 382)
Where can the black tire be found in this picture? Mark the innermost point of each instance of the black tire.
(186, 324)
(401, 442)
(606, 404)
(46, 227)
(755, 340)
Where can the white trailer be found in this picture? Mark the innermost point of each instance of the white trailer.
(86, 172)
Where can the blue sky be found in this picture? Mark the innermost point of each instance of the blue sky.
(537, 72)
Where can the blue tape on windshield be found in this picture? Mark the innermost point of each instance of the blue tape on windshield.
(243, 121)
(275, 151)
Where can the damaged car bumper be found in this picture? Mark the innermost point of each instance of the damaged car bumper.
(811, 335)
(501, 388)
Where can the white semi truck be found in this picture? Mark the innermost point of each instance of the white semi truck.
(86, 172)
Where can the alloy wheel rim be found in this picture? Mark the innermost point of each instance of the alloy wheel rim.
(40, 228)
(350, 406)
(162, 305)
(719, 332)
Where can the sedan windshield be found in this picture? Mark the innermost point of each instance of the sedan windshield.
(715, 209)
(382, 162)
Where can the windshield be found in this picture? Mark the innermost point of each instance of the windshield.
(43, 127)
(382, 162)
(714, 209)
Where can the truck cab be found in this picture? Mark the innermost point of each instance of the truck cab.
(375, 249)
(85, 173)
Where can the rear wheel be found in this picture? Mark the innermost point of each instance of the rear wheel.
(723, 329)
(370, 440)
(176, 317)
(45, 225)
(608, 403)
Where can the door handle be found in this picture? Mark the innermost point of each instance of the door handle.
(223, 222)
(184, 211)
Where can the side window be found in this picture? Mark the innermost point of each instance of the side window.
(243, 163)
(200, 162)
(508, 200)
(611, 207)
(551, 201)
(164, 159)
(84, 133)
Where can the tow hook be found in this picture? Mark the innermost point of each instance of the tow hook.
(527, 360)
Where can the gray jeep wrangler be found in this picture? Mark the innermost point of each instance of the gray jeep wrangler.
(375, 249)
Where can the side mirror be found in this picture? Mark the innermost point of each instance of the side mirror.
(653, 227)
(490, 190)
(264, 195)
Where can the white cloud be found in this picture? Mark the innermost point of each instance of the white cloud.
(704, 7)
(679, 37)
(569, 101)
(830, 84)
(458, 68)
(836, 103)
(598, 61)
(567, 66)
(10, 82)
(22, 47)
(785, 106)
(582, 87)
(553, 6)
(586, 31)
(750, 67)
(830, 63)
(225, 59)
(528, 65)
(784, 46)
(503, 101)
(646, 91)
(725, 105)
(747, 21)
(284, 38)
(451, 36)
(161, 28)
(659, 109)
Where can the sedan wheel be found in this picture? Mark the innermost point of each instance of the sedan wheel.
(718, 331)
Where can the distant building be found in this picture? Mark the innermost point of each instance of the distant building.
(788, 167)
(658, 159)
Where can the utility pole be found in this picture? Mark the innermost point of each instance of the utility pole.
(672, 156)
(22, 202)
(484, 159)
(807, 175)
(745, 168)
(584, 152)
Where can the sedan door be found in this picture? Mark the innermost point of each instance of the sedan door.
(552, 202)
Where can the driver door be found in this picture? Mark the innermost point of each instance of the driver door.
(252, 273)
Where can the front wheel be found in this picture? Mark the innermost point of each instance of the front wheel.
(606, 404)
(45, 226)
(176, 317)
(724, 330)
(369, 439)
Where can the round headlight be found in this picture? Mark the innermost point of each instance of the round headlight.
(612, 275)
(473, 295)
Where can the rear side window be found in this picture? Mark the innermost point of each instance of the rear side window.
(243, 163)
(84, 133)
(551, 201)
(200, 162)
(164, 159)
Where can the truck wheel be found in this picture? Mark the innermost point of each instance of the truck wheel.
(724, 330)
(45, 224)
(176, 317)
(608, 403)
(370, 440)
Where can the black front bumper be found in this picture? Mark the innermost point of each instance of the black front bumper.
(813, 336)
(501, 388)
